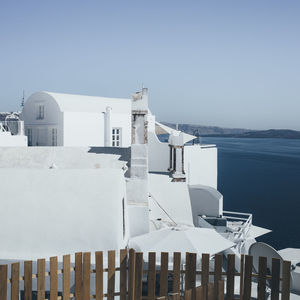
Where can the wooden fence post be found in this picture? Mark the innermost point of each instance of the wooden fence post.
(53, 278)
(138, 276)
(163, 281)
(218, 274)
(242, 267)
(262, 273)
(210, 291)
(230, 277)
(78, 275)
(221, 290)
(205, 274)
(66, 276)
(286, 280)
(41, 268)
(151, 275)
(111, 274)
(275, 282)
(200, 293)
(3, 282)
(28, 280)
(123, 274)
(190, 271)
(176, 272)
(188, 294)
(86, 276)
(15, 275)
(99, 275)
(248, 277)
(131, 271)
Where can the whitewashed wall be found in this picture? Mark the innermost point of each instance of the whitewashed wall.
(83, 129)
(159, 154)
(8, 140)
(200, 162)
(201, 165)
(41, 129)
(79, 120)
(206, 201)
(68, 210)
(123, 121)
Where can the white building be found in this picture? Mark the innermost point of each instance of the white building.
(53, 119)
(12, 131)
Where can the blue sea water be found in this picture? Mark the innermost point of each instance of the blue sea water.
(262, 177)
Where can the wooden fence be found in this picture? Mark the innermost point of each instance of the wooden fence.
(135, 280)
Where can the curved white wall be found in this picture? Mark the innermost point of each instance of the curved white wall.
(42, 129)
(159, 154)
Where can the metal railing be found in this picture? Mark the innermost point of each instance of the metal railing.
(239, 223)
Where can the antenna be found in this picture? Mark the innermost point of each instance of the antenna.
(23, 99)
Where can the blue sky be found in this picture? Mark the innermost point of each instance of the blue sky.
(226, 63)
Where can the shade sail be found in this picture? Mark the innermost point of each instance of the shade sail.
(163, 129)
(256, 231)
(181, 239)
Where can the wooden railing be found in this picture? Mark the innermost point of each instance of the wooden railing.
(136, 280)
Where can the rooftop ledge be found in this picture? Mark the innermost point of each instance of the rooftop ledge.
(201, 145)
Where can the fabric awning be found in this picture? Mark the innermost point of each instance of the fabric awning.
(164, 129)
(181, 239)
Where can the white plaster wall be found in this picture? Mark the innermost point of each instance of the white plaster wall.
(151, 122)
(58, 157)
(201, 165)
(138, 219)
(173, 198)
(122, 121)
(56, 212)
(83, 129)
(159, 154)
(8, 140)
(79, 120)
(206, 201)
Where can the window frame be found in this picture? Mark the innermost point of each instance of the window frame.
(54, 137)
(40, 112)
(29, 136)
(116, 137)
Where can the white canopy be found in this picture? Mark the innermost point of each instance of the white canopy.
(256, 231)
(181, 239)
(163, 129)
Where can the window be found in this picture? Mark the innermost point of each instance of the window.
(40, 112)
(29, 136)
(116, 137)
(54, 136)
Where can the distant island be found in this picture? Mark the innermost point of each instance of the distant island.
(214, 131)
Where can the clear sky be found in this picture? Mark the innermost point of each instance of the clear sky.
(226, 63)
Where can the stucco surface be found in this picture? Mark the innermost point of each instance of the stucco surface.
(54, 212)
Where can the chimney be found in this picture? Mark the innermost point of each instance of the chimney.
(137, 185)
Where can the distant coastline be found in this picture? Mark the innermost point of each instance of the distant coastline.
(214, 131)
(263, 134)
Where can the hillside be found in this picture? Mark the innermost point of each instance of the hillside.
(214, 131)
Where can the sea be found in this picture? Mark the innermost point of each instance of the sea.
(262, 177)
